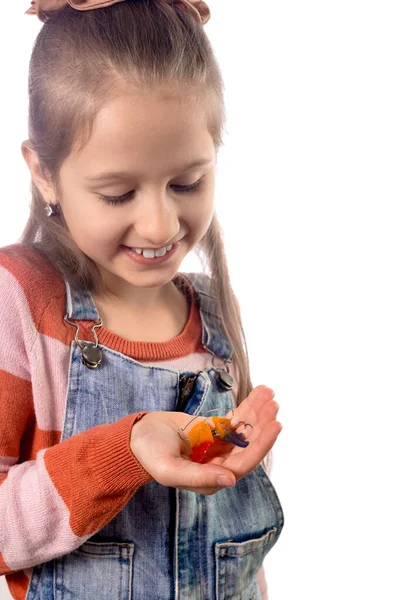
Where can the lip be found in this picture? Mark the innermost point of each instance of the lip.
(142, 260)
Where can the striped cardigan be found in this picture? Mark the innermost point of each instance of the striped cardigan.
(51, 499)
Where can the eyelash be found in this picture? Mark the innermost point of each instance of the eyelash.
(182, 189)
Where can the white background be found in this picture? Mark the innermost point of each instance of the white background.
(307, 193)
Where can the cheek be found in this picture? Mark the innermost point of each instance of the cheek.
(91, 228)
(201, 215)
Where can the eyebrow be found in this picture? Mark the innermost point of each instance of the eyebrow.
(112, 175)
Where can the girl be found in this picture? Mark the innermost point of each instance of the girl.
(107, 350)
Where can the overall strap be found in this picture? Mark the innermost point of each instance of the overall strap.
(81, 307)
(214, 337)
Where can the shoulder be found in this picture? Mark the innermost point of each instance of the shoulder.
(26, 263)
(29, 266)
(204, 292)
(29, 278)
(201, 282)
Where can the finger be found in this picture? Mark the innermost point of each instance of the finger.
(265, 412)
(242, 463)
(256, 412)
(260, 392)
(257, 397)
(183, 473)
(204, 491)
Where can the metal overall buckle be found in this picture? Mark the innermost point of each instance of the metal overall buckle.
(186, 383)
(91, 355)
(224, 380)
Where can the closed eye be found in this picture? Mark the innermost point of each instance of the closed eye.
(180, 189)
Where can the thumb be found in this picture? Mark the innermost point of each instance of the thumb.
(183, 473)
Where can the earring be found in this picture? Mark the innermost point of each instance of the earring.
(52, 209)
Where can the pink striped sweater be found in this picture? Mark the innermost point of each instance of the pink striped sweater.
(51, 501)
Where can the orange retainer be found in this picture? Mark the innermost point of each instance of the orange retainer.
(201, 437)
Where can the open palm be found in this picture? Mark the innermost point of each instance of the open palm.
(259, 410)
(164, 453)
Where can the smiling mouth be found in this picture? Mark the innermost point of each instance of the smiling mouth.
(149, 256)
(152, 252)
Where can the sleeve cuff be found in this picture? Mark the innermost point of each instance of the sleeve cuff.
(116, 467)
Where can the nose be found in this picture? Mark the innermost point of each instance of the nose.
(157, 221)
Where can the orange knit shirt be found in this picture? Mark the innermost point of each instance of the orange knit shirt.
(77, 485)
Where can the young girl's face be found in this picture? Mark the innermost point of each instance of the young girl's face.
(154, 139)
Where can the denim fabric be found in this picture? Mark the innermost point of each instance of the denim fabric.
(166, 543)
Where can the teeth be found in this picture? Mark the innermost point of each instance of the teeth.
(149, 253)
(152, 253)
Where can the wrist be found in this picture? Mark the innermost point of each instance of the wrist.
(136, 426)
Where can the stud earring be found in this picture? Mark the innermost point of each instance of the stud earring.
(52, 210)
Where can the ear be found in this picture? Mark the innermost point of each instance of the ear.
(44, 185)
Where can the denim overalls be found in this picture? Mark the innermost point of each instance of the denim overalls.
(165, 543)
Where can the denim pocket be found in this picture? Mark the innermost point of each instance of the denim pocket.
(95, 570)
(237, 564)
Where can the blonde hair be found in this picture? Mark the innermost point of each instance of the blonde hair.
(78, 59)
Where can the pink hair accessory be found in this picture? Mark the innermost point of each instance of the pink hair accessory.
(44, 9)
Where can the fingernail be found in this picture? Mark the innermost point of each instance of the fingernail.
(224, 481)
